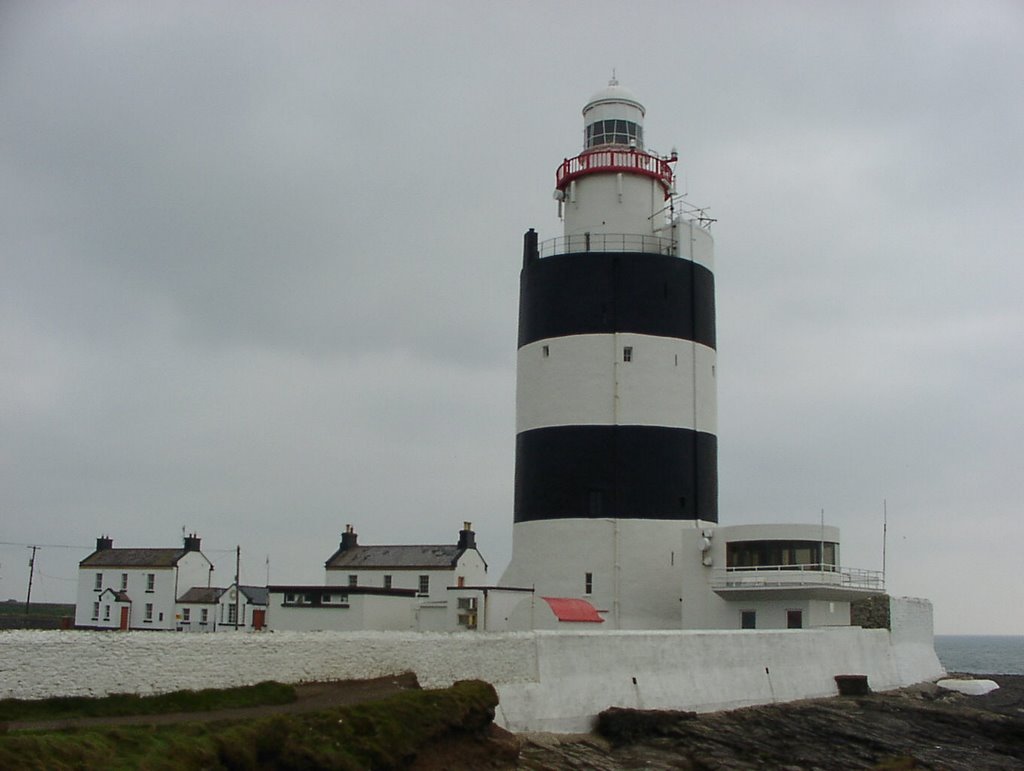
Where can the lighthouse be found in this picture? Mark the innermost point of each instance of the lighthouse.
(616, 481)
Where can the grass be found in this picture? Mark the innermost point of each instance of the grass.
(37, 609)
(118, 704)
(384, 734)
(40, 615)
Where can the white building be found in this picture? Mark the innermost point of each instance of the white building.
(215, 609)
(197, 609)
(384, 587)
(428, 569)
(304, 608)
(137, 588)
(247, 604)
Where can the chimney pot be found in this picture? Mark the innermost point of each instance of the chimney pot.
(467, 538)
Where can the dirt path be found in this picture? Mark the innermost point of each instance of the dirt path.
(311, 697)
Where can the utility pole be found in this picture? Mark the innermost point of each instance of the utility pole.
(31, 572)
(238, 588)
(821, 556)
(885, 533)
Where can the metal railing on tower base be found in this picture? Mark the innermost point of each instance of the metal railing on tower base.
(607, 242)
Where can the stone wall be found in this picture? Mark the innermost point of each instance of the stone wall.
(871, 612)
(545, 680)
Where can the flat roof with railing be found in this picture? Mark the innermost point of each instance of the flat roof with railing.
(814, 579)
(607, 242)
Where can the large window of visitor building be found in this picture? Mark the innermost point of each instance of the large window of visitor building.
(792, 555)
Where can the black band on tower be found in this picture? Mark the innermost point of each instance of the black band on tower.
(629, 472)
(604, 292)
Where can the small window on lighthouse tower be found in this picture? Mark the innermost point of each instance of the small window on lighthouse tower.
(546, 351)
(627, 353)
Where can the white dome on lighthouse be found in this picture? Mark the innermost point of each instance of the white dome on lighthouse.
(614, 93)
(613, 116)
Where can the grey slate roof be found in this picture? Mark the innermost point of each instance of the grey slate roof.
(201, 595)
(398, 557)
(133, 558)
(317, 592)
(119, 596)
(257, 595)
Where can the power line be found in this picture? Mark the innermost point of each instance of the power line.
(44, 545)
(56, 578)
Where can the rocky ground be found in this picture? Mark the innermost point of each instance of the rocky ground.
(922, 727)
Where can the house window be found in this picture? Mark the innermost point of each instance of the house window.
(627, 353)
(149, 613)
(460, 581)
(387, 582)
(289, 597)
(150, 581)
(186, 615)
(106, 613)
(424, 584)
(124, 582)
(204, 615)
(95, 611)
(98, 583)
(353, 580)
(232, 613)
(588, 583)
(748, 619)
(794, 619)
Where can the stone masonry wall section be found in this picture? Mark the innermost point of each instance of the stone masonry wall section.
(545, 680)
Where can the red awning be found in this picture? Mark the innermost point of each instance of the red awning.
(571, 609)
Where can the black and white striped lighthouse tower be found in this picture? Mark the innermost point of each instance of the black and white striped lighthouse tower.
(616, 449)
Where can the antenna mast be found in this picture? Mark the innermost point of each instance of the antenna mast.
(885, 531)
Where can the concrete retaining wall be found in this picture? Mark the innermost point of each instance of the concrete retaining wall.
(545, 680)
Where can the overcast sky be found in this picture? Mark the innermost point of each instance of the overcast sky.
(259, 271)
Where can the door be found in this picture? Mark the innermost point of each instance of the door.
(258, 618)
(124, 617)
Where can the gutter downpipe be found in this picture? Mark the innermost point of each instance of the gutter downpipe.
(617, 576)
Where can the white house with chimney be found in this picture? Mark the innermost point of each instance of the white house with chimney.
(429, 569)
(383, 587)
(137, 588)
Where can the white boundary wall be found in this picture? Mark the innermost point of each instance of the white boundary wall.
(546, 680)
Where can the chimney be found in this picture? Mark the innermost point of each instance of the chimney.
(104, 542)
(348, 538)
(192, 542)
(467, 538)
(530, 252)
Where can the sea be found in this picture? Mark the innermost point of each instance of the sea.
(981, 654)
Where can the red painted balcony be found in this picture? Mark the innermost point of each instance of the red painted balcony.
(629, 161)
